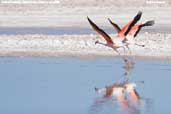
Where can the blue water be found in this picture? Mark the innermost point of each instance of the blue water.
(66, 85)
(50, 30)
(65, 30)
(45, 30)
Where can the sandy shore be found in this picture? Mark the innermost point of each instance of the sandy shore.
(157, 46)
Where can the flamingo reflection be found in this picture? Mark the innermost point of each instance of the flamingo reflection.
(132, 93)
(124, 94)
(116, 90)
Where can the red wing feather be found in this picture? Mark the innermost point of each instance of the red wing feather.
(135, 20)
(100, 31)
(117, 28)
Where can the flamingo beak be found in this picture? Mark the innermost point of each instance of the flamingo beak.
(96, 42)
(143, 45)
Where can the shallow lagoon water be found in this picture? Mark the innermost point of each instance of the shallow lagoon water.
(45, 30)
(66, 85)
(64, 30)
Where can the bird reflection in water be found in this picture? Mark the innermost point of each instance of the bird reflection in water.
(129, 64)
(123, 94)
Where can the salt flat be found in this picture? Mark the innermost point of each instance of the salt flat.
(156, 46)
(75, 16)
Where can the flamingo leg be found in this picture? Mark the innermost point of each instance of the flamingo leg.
(116, 51)
(124, 50)
(129, 50)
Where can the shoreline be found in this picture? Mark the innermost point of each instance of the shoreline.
(20, 54)
(81, 46)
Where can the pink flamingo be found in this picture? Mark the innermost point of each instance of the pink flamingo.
(127, 33)
(109, 42)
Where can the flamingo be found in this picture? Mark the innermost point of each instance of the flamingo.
(128, 35)
(109, 42)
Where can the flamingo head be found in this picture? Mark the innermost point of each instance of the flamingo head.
(96, 42)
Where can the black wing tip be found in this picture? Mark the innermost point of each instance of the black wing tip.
(149, 23)
(140, 12)
(152, 22)
(138, 16)
(88, 18)
(108, 19)
(90, 21)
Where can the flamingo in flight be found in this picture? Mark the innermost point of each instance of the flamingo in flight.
(127, 36)
(109, 42)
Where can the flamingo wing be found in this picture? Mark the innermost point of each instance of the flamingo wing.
(117, 28)
(138, 30)
(132, 23)
(100, 31)
(148, 23)
(123, 30)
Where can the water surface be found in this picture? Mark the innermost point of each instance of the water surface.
(45, 30)
(66, 86)
(68, 30)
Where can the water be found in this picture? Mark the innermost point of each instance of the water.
(67, 30)
(64, 30)
(45, 30)
(66, 86)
